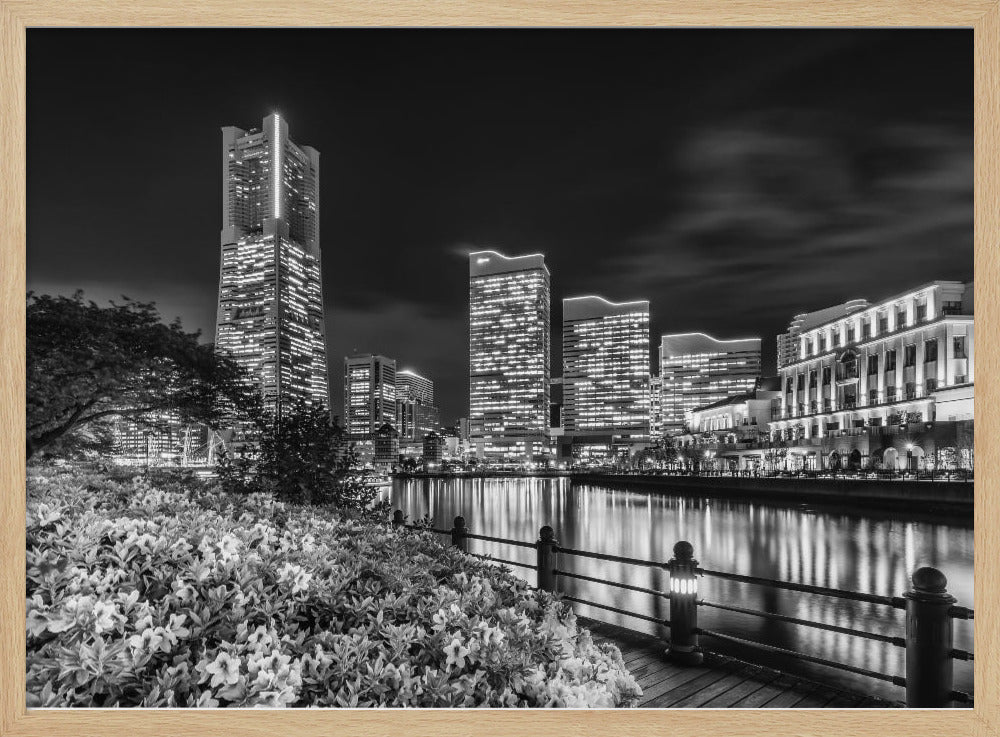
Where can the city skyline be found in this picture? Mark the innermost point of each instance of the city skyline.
(732, 211)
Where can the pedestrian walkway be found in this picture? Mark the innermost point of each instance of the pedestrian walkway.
(721, 682)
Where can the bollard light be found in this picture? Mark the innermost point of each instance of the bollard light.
(684, 606)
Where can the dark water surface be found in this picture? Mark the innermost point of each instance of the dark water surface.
(846, 549)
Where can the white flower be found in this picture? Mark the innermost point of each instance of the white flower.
(456, 653)
(301, 582)
(105, 616)
(225, 670)
(229, 547)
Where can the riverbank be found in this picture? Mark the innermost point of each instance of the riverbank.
(951, 497)
(540, 474)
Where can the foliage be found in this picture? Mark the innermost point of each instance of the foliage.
(87, 363)
(301, 457)
(186, 596)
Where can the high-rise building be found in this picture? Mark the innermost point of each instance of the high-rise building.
(789, 348)
(697, 369)
(509, 355)
(369, 395)
(416, 414)
(270, 316)
(605, 353)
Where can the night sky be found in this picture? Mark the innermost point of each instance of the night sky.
(733, 178)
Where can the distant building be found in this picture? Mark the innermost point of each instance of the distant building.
(433, 448)
(416, 414)
(509, 356)
(605, 350)
(270, 312)
(555, 408)
(463, 428)
(386, 447)
(163, 440)
(889, 386)
(789, 343)
(697, 369)
(655, 407)
(369, 395)
(740, 417)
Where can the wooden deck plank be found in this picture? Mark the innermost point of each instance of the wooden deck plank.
(759, 698)
(816, 700)
(844, 701)
(792, 696)
(682, 690)
(751, 685)
(669, 678)
(690, 686)
(726, 683)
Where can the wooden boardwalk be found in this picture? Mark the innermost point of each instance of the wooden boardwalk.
(721, 682)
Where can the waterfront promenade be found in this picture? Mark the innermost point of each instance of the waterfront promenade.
(721, 682)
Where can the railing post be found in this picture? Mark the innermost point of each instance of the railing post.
(929, 631)
(397, 518)
(548, 559)
(684, 606)
(458, 538)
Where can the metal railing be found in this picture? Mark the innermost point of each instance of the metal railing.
(927, 640)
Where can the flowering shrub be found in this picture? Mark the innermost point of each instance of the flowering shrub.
(183, 596)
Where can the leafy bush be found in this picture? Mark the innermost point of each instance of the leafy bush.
(184, 596)
(302, 457)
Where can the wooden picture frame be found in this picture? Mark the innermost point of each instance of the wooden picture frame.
(983, 16)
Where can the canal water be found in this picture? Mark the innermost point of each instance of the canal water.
(840, 548)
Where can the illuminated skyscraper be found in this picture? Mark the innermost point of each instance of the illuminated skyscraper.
(605, 373)
(508, 355)
(697, 369)
(270, 317)
(369, 395)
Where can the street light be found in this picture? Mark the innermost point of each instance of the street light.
(909, 456)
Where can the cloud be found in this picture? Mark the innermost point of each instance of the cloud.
(782, 212)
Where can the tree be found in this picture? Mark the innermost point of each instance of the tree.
(301, 457)
(87, 363)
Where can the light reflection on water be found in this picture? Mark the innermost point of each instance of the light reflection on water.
(850, 550)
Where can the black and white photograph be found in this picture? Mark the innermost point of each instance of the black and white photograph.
(499, 368)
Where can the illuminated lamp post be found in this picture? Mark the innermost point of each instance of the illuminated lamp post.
(683, 606)
(909, 456)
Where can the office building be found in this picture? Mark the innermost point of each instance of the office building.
(697, 369)
(509, 356)
(270, 312)
(386, 447)
(605, 349)
(369, 395)
(416, 414)
(433, 450)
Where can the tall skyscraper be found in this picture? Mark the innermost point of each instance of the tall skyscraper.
(416, 414)
(270, 317)
(509, 355)
(697, 369)
(369, 395)
(605, 348)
